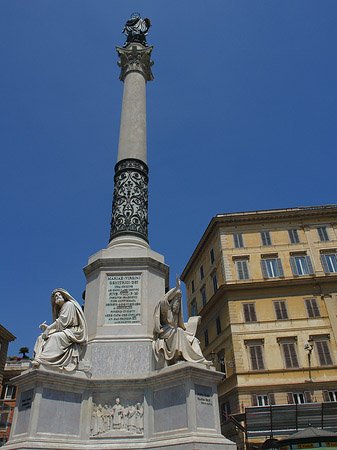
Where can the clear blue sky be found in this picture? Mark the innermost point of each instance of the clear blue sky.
(241, 116)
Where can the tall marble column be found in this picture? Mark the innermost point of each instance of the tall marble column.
(130, 201)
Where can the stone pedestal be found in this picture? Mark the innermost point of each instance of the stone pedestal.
(179, 411)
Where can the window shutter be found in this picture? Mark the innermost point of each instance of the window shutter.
(253, 357)
(326, 396)
(310, 266)
(315, 307)
(263, 238)
(271, 398)
(280, 272)
(264, 269)
(254, 400)
(293, 266)
(309, 307)
(245, 270)
(240, 270)
(284, 311)
(252, 312)
(3, 391)
(324, 264)
(307, 397)
(287, 358)
(290, 398)
(293, 355)
(277, 310)
(323, 353)
(259, 356)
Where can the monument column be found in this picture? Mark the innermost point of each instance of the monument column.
(130, 202)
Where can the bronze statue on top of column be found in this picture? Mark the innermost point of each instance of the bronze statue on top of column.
(136, 29)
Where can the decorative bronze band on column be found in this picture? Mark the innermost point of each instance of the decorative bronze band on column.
(130, 200)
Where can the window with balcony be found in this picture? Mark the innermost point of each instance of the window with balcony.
(312, 307)
(238, 240)
(323, 234)
(249, 312)
(301, 265)
(265, 238)
(280, 309)
(329, 263)
(293, 236)
(242, 269)
(272, 268)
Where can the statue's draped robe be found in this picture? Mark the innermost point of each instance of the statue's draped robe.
(171, 339)
(64, 344)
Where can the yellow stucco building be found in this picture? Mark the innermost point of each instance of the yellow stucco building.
(264, 283)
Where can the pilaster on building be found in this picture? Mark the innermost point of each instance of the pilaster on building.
(265, 284)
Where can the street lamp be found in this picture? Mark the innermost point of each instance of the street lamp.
(309, 347)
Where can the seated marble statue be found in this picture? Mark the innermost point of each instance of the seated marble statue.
(61, 343)
(173, 339)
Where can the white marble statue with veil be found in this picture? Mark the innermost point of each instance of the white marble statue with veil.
(175, 340)
(61, 344)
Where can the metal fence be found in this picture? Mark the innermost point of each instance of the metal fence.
(284, 419)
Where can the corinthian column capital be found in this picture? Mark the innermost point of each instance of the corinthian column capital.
(135, 58)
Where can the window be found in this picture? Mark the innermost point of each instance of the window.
(192, 286)
(330, 396)
(329, 263)
(215, 283)
(299, 397)
(263, 399)
(218, 325)
(289, 355)
(256, 357)
(293, 236)
(280, 309)
(201, 272)
(206, 338)
(301, 265)
(194, 310)
(211, 255)
(8, 392)
(203, 296)
(242, 269)
(225, 411)
(322, 234)
(323, 352)
(222, 362)
(312, 307)
(249, 312)
(265, 238)
(238, 240)
(272, 268)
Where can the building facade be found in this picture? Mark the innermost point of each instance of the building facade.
(264, 283)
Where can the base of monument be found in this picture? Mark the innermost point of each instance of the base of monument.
(189, 442)
(172, 408)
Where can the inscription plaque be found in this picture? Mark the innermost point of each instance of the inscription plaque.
(123, 299)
